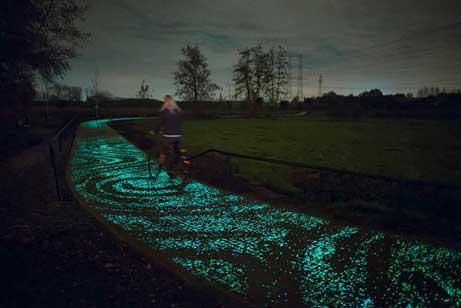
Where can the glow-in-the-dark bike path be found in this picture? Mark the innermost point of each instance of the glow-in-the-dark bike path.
(270, 256)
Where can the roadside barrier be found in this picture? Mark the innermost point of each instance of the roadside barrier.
(331, 185)
(59, 148)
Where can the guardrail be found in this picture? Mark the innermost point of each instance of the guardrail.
(58, 147)
(319, 168)
(350, 185)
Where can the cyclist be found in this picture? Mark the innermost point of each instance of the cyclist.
(170, 126)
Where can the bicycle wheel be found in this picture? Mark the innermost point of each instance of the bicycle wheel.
(184, 181)
(152, 163)
(182, 174)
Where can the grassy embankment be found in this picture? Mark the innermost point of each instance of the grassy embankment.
(414, 149)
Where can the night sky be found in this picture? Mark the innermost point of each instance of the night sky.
(394, 45)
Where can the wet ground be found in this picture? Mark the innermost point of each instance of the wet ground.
(265, 255)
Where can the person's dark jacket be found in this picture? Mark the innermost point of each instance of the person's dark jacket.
(170, 123)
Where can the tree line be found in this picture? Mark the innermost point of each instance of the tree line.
(258, 73)
(261, 73)
(40, 37)
(434, 91)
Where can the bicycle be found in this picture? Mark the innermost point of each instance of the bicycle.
(175, 163)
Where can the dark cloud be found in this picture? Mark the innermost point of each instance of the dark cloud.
(355, 44)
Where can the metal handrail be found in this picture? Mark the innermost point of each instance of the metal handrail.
(62, 130)
(58, 137)
(325, 169)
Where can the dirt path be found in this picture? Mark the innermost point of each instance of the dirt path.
(53, 254)
(266, 255)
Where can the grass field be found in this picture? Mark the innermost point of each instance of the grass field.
(414, 149)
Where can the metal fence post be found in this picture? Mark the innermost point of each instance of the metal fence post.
(228, 166)
(53, 165)
(395, 190)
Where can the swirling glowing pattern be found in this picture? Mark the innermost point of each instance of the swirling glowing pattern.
(269, 256)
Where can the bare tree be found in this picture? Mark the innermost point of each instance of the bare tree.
(76, 94)
(87, 93)
(46, 97)
(193, 77)
(144, 91)
(95, 93)
(261, 70)
(243, 75)
(253, 73)
(95, 83)
(271, 84)
(276, 74)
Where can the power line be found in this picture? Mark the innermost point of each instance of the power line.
(408, 38)
(425, 53)
(415, 34)
(370, 62)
